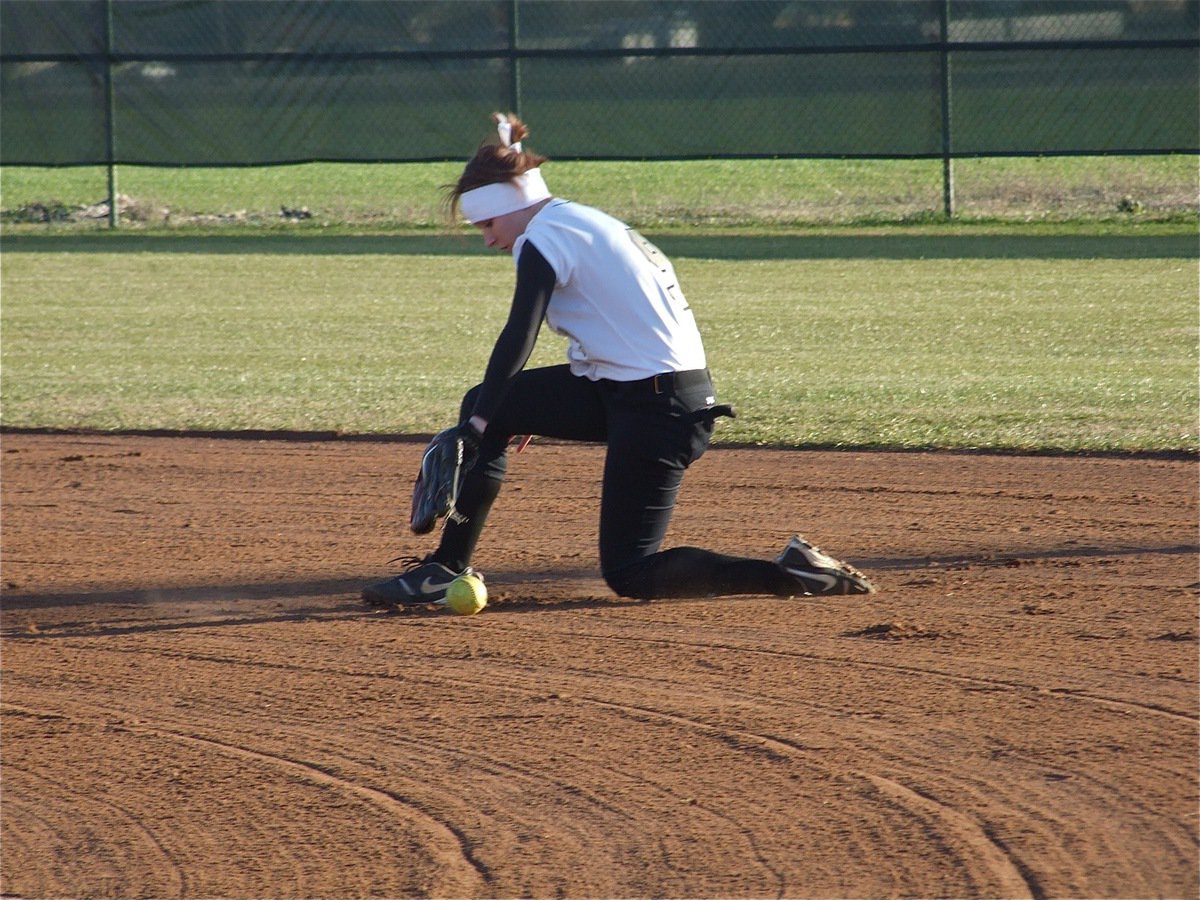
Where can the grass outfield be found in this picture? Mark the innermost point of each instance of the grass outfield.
(1001, 337)
(652, 194)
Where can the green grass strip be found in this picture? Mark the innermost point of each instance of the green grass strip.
(919, 338)
(650, 194)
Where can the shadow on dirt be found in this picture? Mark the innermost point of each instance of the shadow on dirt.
(197, 594)
(1022, 557)
(209, 606)
(506, 578)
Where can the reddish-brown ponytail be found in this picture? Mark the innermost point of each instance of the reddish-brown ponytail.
(494, 162)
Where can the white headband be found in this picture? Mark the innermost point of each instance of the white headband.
(504, 197)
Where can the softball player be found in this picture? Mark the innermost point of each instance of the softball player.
(636, 380)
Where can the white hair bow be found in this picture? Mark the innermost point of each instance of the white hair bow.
(504, 129)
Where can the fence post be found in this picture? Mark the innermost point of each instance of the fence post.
(514, 61)
(109, 116)
(947, 144)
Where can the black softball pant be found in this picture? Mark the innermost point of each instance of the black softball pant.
(654, 429)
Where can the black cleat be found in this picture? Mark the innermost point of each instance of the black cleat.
(818, 573)
(424, 581)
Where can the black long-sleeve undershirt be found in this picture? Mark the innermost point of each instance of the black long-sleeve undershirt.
(531, 297)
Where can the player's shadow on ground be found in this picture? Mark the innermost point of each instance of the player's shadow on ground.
(14, 600)
(113, 613)
(245, 604)
(1018, 557)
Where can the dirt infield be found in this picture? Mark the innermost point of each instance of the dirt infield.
(196, 704)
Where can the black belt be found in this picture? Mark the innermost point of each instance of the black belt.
(668, 382)
(674, 383)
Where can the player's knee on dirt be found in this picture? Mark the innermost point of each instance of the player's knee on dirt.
(629, 581)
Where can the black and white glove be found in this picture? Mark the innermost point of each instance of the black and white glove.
(447, 458)
(470, 438)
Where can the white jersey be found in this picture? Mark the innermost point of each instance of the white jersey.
(616, 297)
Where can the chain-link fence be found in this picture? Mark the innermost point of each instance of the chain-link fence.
(216, 83)
(205, 82)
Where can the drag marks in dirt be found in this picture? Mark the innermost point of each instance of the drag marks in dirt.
(1015, 714)
(1001, 793)
(63, 812)
(1013, 876)
(711, 672)
(657, 724)
(607, 791)
(504, 787)
(261, 841)
(781, 766)
(982, 862)
(459, 873)
(899, 631)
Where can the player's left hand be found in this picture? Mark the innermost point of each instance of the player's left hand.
(470, 436)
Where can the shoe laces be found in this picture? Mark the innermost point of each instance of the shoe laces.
(411, 562)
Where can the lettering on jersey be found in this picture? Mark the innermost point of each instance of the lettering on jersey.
(666, 272)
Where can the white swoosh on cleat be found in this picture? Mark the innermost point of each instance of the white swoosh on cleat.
(428, 587)
(827, 580)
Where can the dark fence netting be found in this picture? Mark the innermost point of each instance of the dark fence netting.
(212, 83)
